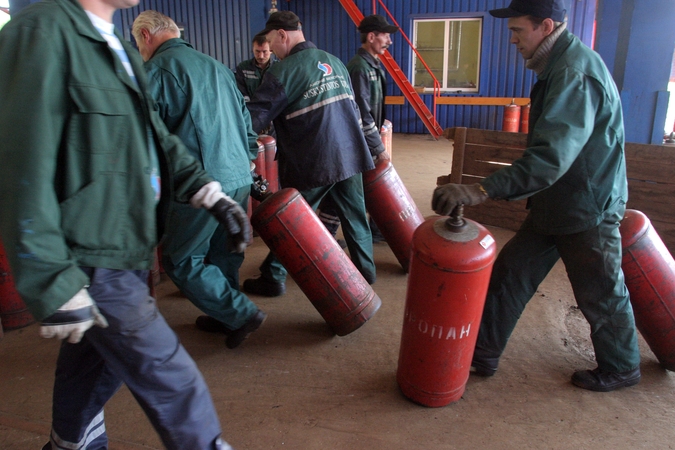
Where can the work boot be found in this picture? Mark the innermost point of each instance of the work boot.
(236, 337)
(264, 287)
(603, 381)
(484, 367)
(211, 325)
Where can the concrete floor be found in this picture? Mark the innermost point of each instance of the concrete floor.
(294, 385)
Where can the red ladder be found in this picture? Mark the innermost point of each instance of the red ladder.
(428, 118)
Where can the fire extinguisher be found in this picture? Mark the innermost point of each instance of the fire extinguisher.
(450, 270)
(392, 208)
(13, 311)
(511, 122)
(525, 119)
(314, 259)
(649, 271)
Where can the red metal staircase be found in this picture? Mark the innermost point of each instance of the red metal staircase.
(428, 118)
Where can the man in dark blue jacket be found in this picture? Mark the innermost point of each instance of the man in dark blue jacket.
(321, 148)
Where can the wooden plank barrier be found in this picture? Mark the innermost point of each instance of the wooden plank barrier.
(479, 153)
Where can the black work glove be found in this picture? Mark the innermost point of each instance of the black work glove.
(449, 196)
(227, 212)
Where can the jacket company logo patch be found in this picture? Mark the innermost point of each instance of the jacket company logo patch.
(325, 68)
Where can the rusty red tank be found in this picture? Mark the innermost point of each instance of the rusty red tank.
(13, 311)
(392, 208)
(322, 270)
(271, 165)
(649, 270)
(450, 270)
(525, 118)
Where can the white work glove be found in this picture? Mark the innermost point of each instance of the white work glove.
(449, 196)
(227, 212)
(72, 319)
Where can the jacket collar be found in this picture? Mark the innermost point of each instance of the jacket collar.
(363, 53)
(80, 20)
(171, 43)
(301, 46)
(561, 44)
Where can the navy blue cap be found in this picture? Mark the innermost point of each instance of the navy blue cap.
(543, 9)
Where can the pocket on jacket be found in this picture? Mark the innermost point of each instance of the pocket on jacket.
(104, 119)
(93, 217)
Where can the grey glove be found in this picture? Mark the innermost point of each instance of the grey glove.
(72, 319)
(449, 196)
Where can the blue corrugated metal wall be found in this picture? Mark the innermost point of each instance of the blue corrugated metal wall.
(503, 73)
(220, 28)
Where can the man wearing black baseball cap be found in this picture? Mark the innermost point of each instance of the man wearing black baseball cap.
(574, 176)
(321, 148)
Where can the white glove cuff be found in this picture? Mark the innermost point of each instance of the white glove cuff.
(207, 196)
(80, 300)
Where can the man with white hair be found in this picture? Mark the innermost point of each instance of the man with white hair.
(199, 101)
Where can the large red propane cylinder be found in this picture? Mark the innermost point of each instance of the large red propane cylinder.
(511, 122)
(451, 264)
(392, 208)
(271, 166)
(525, 118)
(13, 311)
(314, 259)
(649, 270)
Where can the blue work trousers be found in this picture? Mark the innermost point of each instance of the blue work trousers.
(139, 349)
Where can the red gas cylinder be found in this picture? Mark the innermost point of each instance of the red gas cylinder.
(260, 169)
(450, 269)
(13, 311)
(314, 259)
(525, 118)
(271, 167)
(511, 121)
(392, 208)
(649, 270)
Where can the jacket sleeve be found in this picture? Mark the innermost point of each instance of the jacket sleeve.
(361, 88)
(32, 118)
(268, 101)
(559, 135)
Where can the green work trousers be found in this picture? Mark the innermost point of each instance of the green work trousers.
(196, 258)
(592, 259)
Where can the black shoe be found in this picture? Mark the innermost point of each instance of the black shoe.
(342, 243)
(236, 337)
(484, 367)
(266, 288)
(602, 381)
(377, 237)
(211, 325)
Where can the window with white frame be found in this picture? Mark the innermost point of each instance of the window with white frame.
(451, 50)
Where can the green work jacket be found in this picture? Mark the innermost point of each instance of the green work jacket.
(75, 132)
(574, 168)
(198, 100)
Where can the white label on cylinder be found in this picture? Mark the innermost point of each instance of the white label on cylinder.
(487, 241)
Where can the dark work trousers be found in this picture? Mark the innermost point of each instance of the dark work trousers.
(196, 258)
(592, 259)
(140, 350)
(347, 195)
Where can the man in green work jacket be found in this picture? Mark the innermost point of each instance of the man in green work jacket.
(198, 99)
(91, 170)
(573, 173)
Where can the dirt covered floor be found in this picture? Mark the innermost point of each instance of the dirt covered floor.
(294, 385)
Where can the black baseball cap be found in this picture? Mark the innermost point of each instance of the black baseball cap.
(543, 9)
(376, 23)
(282, 20)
